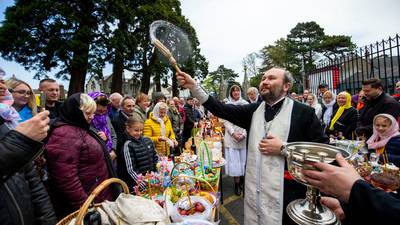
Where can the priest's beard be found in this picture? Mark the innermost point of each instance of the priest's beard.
(272, 96)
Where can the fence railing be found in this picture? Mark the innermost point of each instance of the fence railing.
(379, 60)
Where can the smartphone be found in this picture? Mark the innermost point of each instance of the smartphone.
(42, 100)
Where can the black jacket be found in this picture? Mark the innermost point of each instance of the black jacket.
(190, 119)
(382, 104)
(55, 110)
(346, 123)
(304, 125)
(23, 198)
(369, 205)
(118, 123)
(137, 157)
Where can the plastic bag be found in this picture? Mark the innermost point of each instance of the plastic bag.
(205, 215)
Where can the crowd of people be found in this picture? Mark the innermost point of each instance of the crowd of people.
(87, 139)
(91, 137)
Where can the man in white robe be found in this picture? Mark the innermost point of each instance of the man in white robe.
(270, 124)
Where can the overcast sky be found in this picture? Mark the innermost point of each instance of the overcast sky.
(228, 30)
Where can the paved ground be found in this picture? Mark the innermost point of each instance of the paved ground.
(231, 211)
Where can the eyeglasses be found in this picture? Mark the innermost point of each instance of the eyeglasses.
(22, 92)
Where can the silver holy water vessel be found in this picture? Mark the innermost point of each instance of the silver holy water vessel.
(299, 155)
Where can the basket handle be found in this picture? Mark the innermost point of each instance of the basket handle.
(84, 208)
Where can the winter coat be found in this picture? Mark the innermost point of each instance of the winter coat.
(138, 157)
(346, 123)
(140, 113)
(78, 162)
(190, 118)
(382, 104)
(152, 129)
(23, 198)
(119, 126)
(176, 121)
(368, 205)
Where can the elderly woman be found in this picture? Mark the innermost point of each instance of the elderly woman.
(24, 99)
(344, 118)
(235, 144)
(159, 129)
(77, 158)
(329, 101)
(313, 102)
(102, 123)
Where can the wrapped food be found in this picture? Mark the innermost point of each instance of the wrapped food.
(391, 168)
(385, 181)
(364, 169)
(196, 208)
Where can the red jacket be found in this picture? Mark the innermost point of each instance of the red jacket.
(76, 165)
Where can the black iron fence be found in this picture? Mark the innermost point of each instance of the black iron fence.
(379, 60)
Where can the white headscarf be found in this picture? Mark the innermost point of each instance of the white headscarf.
(160, 120)
(329, 108)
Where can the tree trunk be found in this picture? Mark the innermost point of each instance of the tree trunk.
(145, 84)
(83, 38)
(175, 90)
(157, 82)
(118, 65)
(78, 75)
(118, 70)
(79, 68)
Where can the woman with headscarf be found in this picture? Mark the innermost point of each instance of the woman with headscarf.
(329, 101)
(77, 158)
(386, 138)
(313, 102)
(159, 129)
(102, 123)
(24, 99)
(344, 120)
(235, 144)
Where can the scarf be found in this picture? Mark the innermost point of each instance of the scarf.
(100, 121)
(160, 120)
(341, 109)
(393, 130)
(7, 112)
(329, 110)
(71, 113)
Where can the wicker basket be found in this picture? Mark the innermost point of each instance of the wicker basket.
(213, 190)
(79, 214)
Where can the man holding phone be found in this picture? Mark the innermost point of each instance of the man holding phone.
(51, 89)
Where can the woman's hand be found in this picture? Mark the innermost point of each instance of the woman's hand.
(102, 135)
(162, 138)
(175, 143)
(113, 156)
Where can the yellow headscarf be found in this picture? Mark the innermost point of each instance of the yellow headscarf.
(341, 108)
